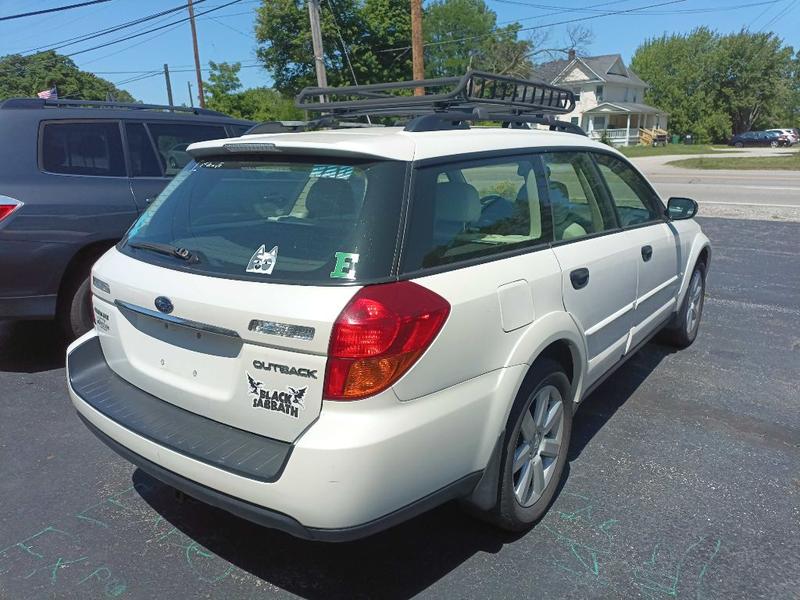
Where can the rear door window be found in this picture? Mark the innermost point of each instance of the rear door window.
(289, 220)
(172, 139)
(82, 148)
(475, 209)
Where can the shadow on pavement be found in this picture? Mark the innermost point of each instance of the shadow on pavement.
(31, 346)
(397, 563)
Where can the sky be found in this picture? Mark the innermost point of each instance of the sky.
(225, 34)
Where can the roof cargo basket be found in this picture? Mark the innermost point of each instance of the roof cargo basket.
(447, 102)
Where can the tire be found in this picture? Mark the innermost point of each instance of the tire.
(520, 506)
(773, 144)
(738, 145)
(686, 323)
(75, 314)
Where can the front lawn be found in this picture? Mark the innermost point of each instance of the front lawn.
(783, 163)
(633, 151)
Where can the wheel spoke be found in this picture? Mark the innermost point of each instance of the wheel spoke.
(521, 489)
(538, 476)
(550, 447)
(528, 429)
(542, 400)
(521, 456)
(553, 417)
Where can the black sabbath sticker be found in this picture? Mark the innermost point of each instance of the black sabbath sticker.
(289, 401)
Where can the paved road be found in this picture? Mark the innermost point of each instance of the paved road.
(729, 193)
(683, 482)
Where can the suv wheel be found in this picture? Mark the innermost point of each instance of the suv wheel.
(773, 144)
(738, 145)
(75, 314)
(683, 329)
(536, 447)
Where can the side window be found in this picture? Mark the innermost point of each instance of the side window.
(633, 199)
(578, 201)
(492, 206)
(140, 151)
(239, 130)
(172, 139)
(83, 149)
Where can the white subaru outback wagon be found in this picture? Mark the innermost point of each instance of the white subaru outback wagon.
(328, 332)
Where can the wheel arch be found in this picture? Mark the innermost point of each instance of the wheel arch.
(700, 253)
(84, 257)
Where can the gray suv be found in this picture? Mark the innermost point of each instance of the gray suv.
(74, 175)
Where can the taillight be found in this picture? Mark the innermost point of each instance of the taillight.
(8, 206)
(378, 336)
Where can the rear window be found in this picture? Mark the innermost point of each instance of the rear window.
(293, 220)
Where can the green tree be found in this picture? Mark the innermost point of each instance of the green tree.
(377, 34)
(464, 33)
(256, 104)
(27, 75)
(714, 85)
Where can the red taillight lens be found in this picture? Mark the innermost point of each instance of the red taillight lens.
(8, 206)
(379, 335)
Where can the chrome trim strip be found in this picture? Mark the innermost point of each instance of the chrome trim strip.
(173, 320)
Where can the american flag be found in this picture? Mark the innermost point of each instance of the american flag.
(52, 93)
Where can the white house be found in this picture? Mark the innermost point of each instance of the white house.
(609, 98)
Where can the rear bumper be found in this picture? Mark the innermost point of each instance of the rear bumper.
(360, 468)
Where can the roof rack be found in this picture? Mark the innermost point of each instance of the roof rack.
(297, 126)
(448, 102)
(41, 103)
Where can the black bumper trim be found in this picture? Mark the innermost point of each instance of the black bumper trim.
(227, 448)
(277, 520)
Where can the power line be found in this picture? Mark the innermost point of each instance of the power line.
(634, 12)
(52, 10)
(101, 32)
(533, 27)
(135, 35)
(341, 40)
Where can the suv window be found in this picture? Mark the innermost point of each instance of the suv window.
(289, 220)
(82, 149)
(577, 198)
(140, 150)
(171, 140)
(634, 200)
(474, 209)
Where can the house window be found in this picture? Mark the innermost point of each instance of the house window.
(577, 95)
(626, 95)
(598, 91)
(634, 97)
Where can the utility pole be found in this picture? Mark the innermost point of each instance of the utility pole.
(169, 85)
(416, 44)
(196, 56)
(316, 42)
(191, 100)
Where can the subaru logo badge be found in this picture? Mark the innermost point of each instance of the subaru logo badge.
(164, 304)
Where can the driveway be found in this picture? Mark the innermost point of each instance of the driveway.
(751, 194)
(683, 481)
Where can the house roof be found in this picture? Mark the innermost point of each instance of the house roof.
(550, 71)
(624, 107)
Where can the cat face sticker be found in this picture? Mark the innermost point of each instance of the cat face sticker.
(263, 262)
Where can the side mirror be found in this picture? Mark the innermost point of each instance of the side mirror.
(681, 208)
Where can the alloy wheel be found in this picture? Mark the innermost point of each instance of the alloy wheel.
(538, 445)
(695, 308)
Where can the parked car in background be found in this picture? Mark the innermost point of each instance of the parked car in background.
(793, 134)
(771, 139)
(177, 157)
(77, 174)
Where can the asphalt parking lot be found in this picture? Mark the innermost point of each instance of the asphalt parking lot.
(683, 482)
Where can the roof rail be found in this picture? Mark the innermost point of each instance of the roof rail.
(65, 102)
(326, 122)
(483, 94)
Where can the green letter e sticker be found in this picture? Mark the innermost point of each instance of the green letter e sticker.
(345, 266)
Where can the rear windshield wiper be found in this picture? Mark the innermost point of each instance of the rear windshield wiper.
(167, 249)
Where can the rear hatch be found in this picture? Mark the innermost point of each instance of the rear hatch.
(222, 297)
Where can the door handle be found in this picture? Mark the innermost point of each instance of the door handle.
(647, 253)
(579, 278)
